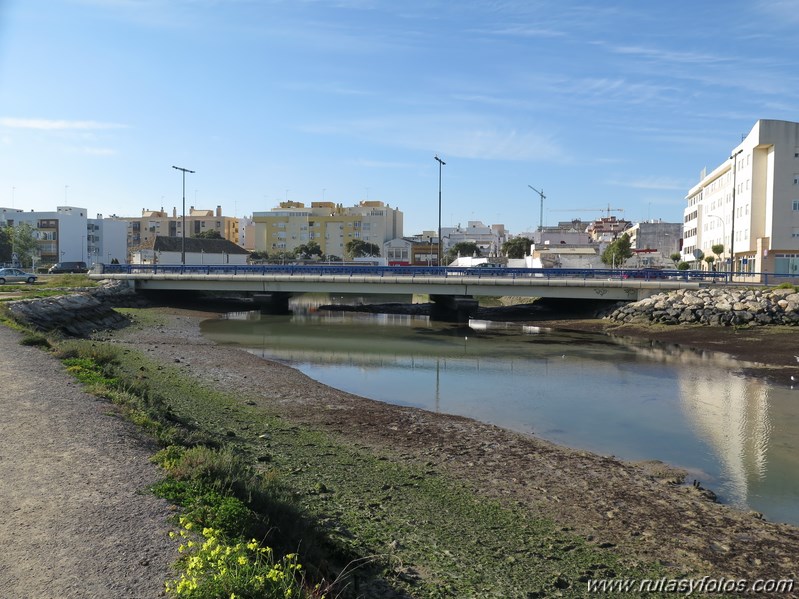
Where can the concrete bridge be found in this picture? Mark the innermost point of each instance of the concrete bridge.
(454, 289)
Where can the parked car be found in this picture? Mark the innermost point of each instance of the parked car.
(15, 275)
(68, 267)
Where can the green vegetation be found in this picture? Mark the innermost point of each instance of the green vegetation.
(255, 481)
(357, 248)
(618, 251)
(463, 248)
(18, 240)
(518, 247)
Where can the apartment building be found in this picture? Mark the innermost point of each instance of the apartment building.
(68, 234)
(331, 225)
(749, 204)
(488, 238)
(142, 230)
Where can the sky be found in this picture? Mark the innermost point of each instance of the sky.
(599, 105)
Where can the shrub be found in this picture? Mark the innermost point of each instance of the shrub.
(35, 340)
(216, 569)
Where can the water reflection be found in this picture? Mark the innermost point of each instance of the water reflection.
(738, 436)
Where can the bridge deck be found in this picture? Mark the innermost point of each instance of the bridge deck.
(566, 283)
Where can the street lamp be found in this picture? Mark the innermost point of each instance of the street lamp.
(183, 232)
(734, 159)
(440, 164)
(723, 227)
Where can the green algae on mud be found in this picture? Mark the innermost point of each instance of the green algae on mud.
(420, 532)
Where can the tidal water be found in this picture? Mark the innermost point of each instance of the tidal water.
(739, 436)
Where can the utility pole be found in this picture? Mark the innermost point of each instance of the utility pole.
(183, 226)
(541, 213)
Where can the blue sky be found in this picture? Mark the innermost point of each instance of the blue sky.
(599, 104)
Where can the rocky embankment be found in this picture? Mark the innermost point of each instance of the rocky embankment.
(77, 314)
(716, 306)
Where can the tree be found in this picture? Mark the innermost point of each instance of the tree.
(258, 256)
(699, 255)
(675, 257)
(463, 248)
(518, 247)
(357, 248)
(618, 251)
(717, 249)
(307, 251)
(683, 266)
(710, 260)
(5, 244)
(209, 234)
(282, 257)
(24, 243)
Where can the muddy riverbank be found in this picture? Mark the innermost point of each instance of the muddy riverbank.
(641, 509)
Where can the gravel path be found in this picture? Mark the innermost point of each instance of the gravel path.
(75, 519)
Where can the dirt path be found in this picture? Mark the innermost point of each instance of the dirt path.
(74, 522)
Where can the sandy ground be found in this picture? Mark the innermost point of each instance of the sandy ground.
(75, 518)
(638, 507)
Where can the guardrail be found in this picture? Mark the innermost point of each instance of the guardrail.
(416, 271)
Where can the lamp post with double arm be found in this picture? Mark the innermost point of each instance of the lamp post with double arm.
(183, 226)
(440, 164)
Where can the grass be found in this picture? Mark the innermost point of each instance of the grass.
(248, 474)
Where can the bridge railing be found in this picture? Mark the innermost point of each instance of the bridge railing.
(417, 271)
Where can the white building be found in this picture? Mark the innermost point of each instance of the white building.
(69, 235)
(750, 204)
(488, 238)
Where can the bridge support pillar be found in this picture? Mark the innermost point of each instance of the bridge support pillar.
(451, 308)
(272, 303)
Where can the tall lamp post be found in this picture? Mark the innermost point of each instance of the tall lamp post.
(734, 159)
(541, 214)
(440, 164)
(183, 226)
(723, 227)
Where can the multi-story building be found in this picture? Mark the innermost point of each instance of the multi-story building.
(488, 238)
(142, 230)
(749, 204)
(607, 229)
(657, 236)
(330, 225)
(68, 234)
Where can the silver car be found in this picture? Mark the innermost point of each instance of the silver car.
(15, 275)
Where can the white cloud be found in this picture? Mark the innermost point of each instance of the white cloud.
(56, 125)
(463, 135)
(98, 151)
(654, 183)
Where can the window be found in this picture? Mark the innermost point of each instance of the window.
(796, 205)
(796, 179)
(795, 232)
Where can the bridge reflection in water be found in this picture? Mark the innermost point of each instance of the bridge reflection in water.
(738, 436)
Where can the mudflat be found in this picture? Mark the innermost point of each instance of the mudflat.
(642, 509)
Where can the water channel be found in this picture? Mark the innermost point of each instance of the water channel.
(739, 436)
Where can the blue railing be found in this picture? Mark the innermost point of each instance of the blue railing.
(419, 271)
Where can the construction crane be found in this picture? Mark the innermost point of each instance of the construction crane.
(607, 210)
(541, 214)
